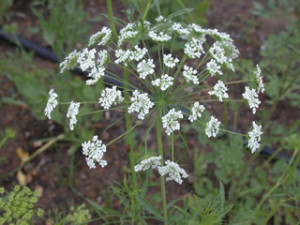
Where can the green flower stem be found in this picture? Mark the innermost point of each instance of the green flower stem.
(147, 10)
(160, 152)
(129, 139)
(111, 19)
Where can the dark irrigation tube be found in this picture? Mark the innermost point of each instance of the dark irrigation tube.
(50, 55)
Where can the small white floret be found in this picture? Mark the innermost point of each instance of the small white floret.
(51, 103)
(219, 90)
(140, 103)
(252, 98)
(213, 68)
(145, 68)
(101, 38)
(73, 110)
(164, 82)
(69, 62)
(86, 59)
(194, 48)
(255, 137)
(169, 61)
(190, 74)
(159, 37)
(196, 111)
(170, 121)
(174, 171)
(212, 127)
(110, 96)
(152, 162)
(94, 151)
(258, 80)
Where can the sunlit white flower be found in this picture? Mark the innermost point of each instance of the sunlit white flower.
(212, 127)
(86, 59)
(189, 74)
(110, 96)
(219, 90)
(255, 137)
(145, 68)
(258, 80)
(73, 110)
(194, 49)
(252, 97)
(169, 61)
(140, 103)
(213, 68)
(94, 151)
(138, 53)
(159, 37)
(170, 121)
(95, 74)
(196, 111)
(51, 104)
(69, 62)
(164, 82)
(174, 171)
(101, 38)
(123, 56)
(151, 162)
(178, 29)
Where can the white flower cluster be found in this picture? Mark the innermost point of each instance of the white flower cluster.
(94, 151)
(164, 82)
(127, 33)
(252, 97)
(145, 68)
(86, 59)
(255, 137)
(258, 80)
(140, 104)
(219, 91)
(170, 121)
(159, 37)
(179, 30)
(73, 110)
(101, 38)
(169, 61)
(174, 171)
(51, 104)
(189, 74)
(197, 111)
(69, 62)
(110, 96)
(212, 127)
(194, 48)
(213, 68)
(152, 162)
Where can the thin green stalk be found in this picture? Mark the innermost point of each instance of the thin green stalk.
(160, 152)
(111, 19)
(147, 10)
(172, 140)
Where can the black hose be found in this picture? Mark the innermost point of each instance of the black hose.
(50, 55)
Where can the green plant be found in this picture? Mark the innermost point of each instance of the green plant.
(4, 9)
(18, 206)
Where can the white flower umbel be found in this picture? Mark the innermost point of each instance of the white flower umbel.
(159, 37)
(170, 121)
(164, 82)
(169, 61)
(96, 73)
(102, 58)
(151, 162)
(212, 127)
(189, 74)
(194, 48)
(179, 30)
(110, 96)
(258, 80)
(174, 171)
(101, 38)
(219, 90)
(94, 151)
(145, 68)
(51, 104)
(127, 33)
(252, 97)
(140, 104)
(255, 137)
(73, 110)
(213, 68)
(138, 53)
(218, 53)
(160, 18)
(123, 56)
(196, 111)
(86, 59)
(69, 62)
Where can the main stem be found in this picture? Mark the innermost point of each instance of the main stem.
(160, 152)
